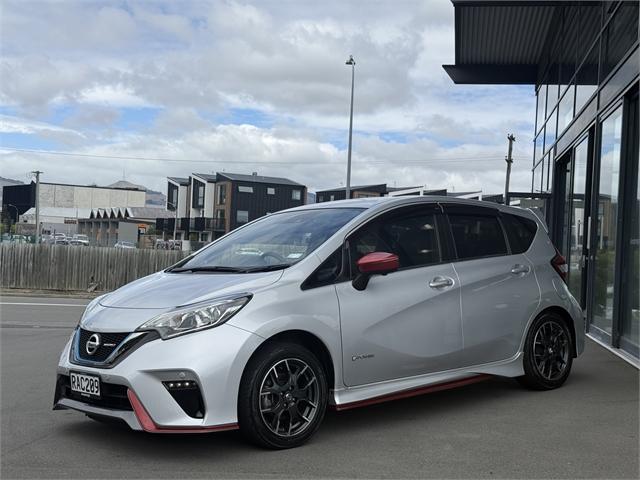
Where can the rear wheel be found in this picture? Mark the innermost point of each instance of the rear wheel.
(547, 353)
(283, 396)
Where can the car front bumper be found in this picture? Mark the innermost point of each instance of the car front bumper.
(214, 359)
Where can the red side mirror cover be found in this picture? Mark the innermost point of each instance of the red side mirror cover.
(378, 262)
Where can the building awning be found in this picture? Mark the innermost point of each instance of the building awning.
(499, 42)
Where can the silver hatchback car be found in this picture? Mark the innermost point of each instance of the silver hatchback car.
(341, 305)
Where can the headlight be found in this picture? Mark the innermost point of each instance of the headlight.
(196, 317)
(91, 306)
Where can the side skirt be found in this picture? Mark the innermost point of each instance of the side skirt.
(412, 392)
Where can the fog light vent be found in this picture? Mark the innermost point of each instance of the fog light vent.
(186, 393)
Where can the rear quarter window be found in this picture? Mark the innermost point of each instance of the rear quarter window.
(520, 232)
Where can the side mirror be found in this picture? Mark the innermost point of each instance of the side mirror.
(374, 263)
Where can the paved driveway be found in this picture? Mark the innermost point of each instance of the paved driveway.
(588, 428)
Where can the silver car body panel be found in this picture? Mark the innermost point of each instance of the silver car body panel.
(397, 335)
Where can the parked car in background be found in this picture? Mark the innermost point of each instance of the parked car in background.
(80, 240)
(47, 239)
(19, 239)
(60, 239)
(384, 298)
(124, 244)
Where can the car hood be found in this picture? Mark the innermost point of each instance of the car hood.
(163, 291)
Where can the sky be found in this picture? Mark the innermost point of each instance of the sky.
(143, 90)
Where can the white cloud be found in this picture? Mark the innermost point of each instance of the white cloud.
(196, 61)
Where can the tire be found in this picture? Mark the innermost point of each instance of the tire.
(283, 396)
(547, 353)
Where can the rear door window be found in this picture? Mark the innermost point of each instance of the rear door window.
(477, 236)
(520, 232)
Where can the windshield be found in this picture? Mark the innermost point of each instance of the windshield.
(273, 242)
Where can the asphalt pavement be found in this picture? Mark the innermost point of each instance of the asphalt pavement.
(586, 429)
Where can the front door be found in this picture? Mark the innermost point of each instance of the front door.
(408, 322)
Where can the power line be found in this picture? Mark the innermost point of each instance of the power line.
(452, 159)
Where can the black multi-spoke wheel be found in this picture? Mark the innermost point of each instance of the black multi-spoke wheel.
(547, 353)
(283, 396)
(289, 397)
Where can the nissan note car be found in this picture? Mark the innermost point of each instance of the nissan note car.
(340, 304)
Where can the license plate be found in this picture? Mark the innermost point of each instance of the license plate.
(87, 385)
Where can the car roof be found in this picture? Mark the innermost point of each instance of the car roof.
(383, 203)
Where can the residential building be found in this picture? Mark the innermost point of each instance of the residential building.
(583, 60)
(360, 191)
(218, 203)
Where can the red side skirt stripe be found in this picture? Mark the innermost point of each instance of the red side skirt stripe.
(412, 392)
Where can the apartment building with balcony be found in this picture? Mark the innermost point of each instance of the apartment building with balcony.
(211, 205)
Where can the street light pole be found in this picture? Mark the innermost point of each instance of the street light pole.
(37, 174)
(509, 161)
(351, 62)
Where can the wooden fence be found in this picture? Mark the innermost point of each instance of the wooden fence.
(75, 268)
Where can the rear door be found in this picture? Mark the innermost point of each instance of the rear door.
(407, 322)
(499, 291)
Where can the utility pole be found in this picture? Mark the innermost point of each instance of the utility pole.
(351, 62)
(37, 174)
(509, 161)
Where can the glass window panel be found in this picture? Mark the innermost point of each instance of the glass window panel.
(542, 102)
(565, 110)
(577, 224)
(631, 318)
(537, 175)
(620, 34)
(550, 130)
(549, 175)
(587, 79)
(542, 177)
(631, 315)
(606, 222)
(538, 147)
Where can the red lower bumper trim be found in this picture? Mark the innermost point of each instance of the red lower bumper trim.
(412, 392)
(148, 425)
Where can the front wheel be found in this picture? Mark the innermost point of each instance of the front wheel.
(547, 353)
(283, 396)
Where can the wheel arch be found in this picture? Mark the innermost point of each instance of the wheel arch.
(561, 312)
(308, 340)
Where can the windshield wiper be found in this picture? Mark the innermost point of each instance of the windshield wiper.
(210, 268)
(267, 268)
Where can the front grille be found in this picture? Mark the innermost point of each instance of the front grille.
(112, 395)
(108, 343)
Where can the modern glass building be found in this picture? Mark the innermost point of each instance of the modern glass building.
(583, 59)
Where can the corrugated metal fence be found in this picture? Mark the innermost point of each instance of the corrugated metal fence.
(61, 267)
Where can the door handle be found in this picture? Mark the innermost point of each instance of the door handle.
(441, 282)
(518, 269)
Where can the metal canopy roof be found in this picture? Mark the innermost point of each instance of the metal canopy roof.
(499, 42)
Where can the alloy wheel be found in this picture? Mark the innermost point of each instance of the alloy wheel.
(289, 397)
(551, 350)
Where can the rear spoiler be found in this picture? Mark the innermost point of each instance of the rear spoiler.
(539, 215)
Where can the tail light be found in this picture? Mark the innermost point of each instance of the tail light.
(559, 264)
